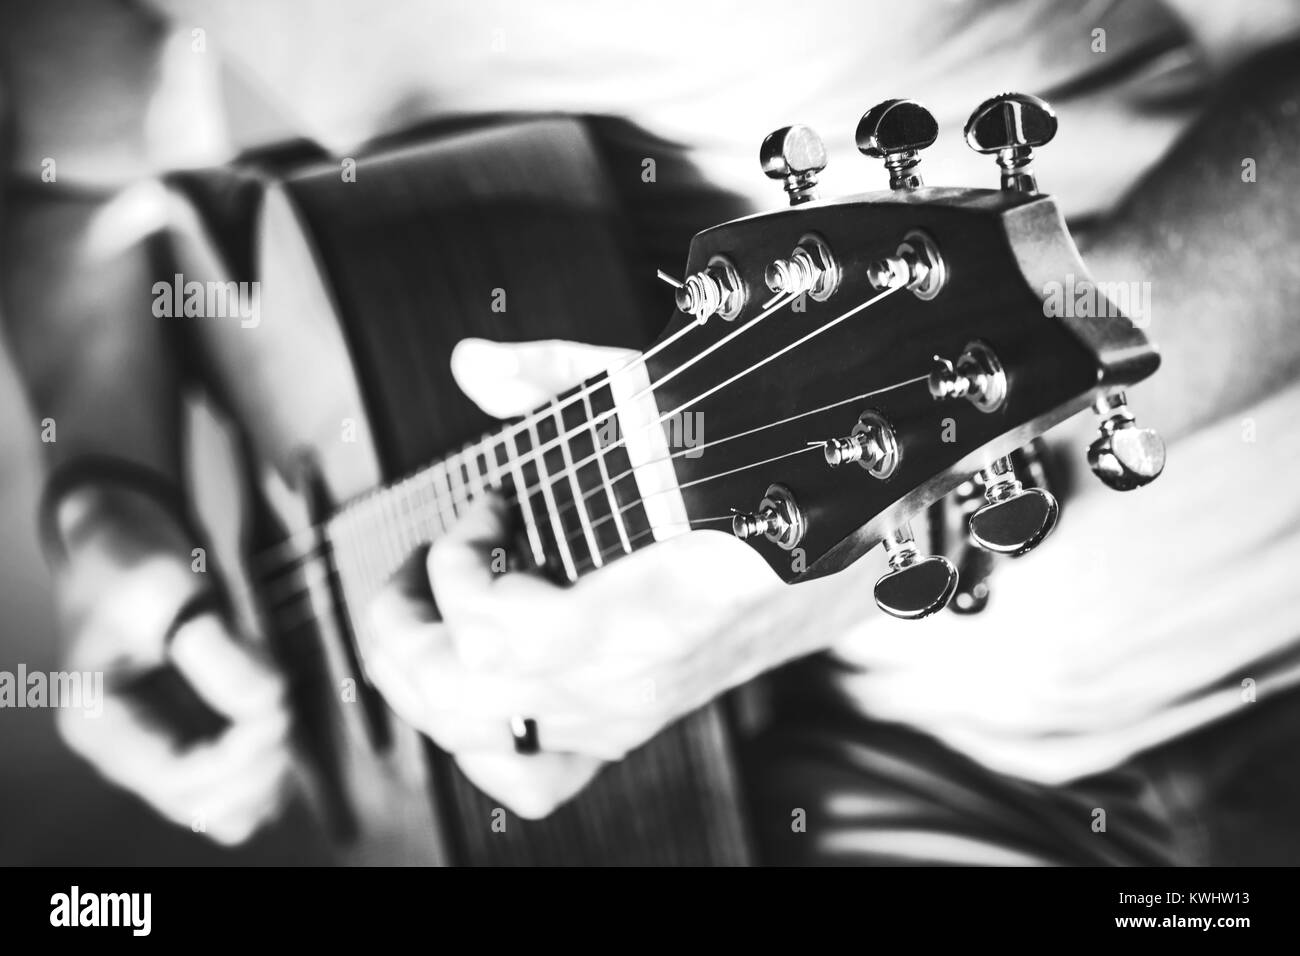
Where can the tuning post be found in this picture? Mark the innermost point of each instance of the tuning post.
(811, 268)
(716, 290)
(1015, 519)
(1124, 456)
(872, 444)
(1011, 126)
(779, 519)
(896, 131)
(914, 586)
(916, 264)
(976, 376)
(795, 155)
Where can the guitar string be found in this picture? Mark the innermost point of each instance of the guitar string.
(609, 550)
(300, 588)
(305, 590)
(532, 419)
(518, 427)
(631, 472)
(289, 602)
(551, 480)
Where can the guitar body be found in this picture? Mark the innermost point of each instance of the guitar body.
(368, 280)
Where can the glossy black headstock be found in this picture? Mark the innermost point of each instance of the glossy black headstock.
(967, 275)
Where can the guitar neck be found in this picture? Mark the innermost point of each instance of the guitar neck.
(576, 473)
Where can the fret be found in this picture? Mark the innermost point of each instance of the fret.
(616, 517)
(492, 471)
(625, 491)
(432, 516)
(462, 471)
(402, 515)
(389, 520)
(415, 517)
(520, 487)
(441, 486)
(429, 505)
(574, 520)
(579, 500)
(422, 523)
(548, 497)
(474, 476)
(402, 509)
(415, 514)
(603, 543)
(455, 481)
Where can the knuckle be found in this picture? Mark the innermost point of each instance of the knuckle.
(231, 832)
(532, 802)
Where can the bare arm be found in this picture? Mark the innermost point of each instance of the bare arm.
(1219, 252)
(76, 300)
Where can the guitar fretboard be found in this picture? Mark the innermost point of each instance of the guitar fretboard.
(565, 469)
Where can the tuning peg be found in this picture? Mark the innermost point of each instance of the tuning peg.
(794, 154)
(779, 519)
(1124, 456)
(914, 587)
(717, 290)
(916, 264)
(811, 268)
(896, 131)
(976, 376)
(1012, 125)
(1016, 519)
(872, 444)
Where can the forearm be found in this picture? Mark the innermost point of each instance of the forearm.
(1215, 249)
(75, 248)
(78, 314)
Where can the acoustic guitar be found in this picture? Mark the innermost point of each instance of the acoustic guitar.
(855, 360)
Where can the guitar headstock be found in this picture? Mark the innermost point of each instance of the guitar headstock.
(853, 360)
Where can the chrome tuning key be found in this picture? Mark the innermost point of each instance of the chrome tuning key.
(811, 268)
(779, 519)
(914, 586)
(896, 131)
(1011, 126)
(915, 264)
(1015, 519)
(976, 376)
(872, 444)
(1124, 456)
(794, 155)
(717, 290)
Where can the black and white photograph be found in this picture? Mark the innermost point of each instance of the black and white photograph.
(491, 433)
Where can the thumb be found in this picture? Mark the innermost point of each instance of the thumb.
(232, 677)
(511, 378)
